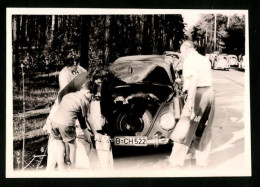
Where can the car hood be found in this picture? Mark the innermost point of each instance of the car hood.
(136, 69)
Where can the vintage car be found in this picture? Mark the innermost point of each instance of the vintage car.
(221, 62)
(143, 107)
(241, 64)
(213, 56)
(232, 60)
(140, 103)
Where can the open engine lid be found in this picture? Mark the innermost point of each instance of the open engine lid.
(134, 69)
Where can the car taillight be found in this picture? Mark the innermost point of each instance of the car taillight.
(167, 121)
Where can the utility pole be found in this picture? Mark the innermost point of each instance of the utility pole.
(206, 39)
(215, 32)
(228, 21)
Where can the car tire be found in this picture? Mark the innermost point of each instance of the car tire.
(144, 122)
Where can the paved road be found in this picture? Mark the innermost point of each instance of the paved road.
(229, 135)
(228, 147)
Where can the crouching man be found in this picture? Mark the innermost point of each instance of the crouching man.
(73, 106)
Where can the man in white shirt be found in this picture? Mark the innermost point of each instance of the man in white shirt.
(197, 111)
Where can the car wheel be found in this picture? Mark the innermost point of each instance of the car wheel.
(130, 124)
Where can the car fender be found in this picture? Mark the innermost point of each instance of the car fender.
(166, 107)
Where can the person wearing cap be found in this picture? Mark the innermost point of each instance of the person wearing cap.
(199, 98)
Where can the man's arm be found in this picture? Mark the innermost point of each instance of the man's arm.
(191, 86)
(85, 109)
(85, 112)
(82, 121)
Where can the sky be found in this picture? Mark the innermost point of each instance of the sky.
(191, 19)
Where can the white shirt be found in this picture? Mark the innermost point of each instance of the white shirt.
(71, 104)
(198, 66)
(65, 76)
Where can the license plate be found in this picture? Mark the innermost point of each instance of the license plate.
(130, 141)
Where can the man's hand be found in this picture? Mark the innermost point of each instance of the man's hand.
(87, 135)
(168, 60)
(97, 136)
(188, 108)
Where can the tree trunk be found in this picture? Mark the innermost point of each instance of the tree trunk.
(52, 26)
(106, 51)
(147, 43)
(14, 25)
(26, 29)
(84, 60)
(16, 66)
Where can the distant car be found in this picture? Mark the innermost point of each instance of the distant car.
(221, 62)
(232, 59)
(213, 57)
(241, 64)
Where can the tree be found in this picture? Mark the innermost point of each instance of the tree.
(96, 39)
(113, 38)
(235, 37)
(230, 36)
(16, 43)
(84, 58)
(147, 40)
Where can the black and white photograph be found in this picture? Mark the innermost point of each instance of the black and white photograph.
(105, 93)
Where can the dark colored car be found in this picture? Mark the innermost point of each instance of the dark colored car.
(143, 106)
